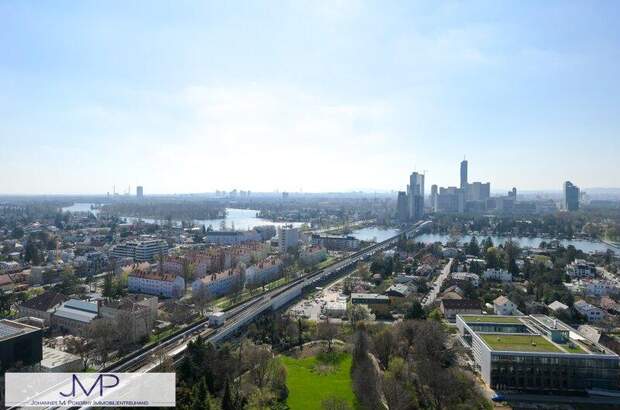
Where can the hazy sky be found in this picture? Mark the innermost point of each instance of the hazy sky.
(318, 95)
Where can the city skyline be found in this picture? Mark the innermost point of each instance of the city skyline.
(319, 96)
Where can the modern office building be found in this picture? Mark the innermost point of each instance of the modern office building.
(288, 237)
(20, 344)
(416, 196)
(402, 207)
(140, 251)
(537, 353)
(477, 191)
(571, 197)
(140, 192)
(464, 175)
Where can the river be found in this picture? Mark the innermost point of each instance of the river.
(241, 219)
(524, 242)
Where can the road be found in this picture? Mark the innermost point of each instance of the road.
(432, 295)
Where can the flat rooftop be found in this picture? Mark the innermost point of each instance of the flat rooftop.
(491, 319)
(518, 343)
(534, 333)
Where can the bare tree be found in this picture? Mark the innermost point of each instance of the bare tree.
(101, 333)
(202, 299)
(326, 331)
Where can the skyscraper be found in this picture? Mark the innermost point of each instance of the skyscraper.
(464, 174)
(571, 197)
(402, 207)
(416, 196)
(139, 192)
(434, 193)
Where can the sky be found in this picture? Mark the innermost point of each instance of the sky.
(318, 96)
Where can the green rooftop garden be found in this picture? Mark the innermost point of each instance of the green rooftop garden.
(519, 343)
(491, 319)
(574, 349)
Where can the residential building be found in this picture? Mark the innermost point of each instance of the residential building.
(537, 354)
(580, 268)
(452, 307)
(336, 243)
(504, 306)
(398, 291)
(20, 345)
(42, 306)
(137, 313)
(312, 255)
(468, 276)
(74, 316)
(557, 306)
(592, 313)
(140, 251)
(231, 237)
(7, 267)
(220, 283)
(288, 238)
(571, 197)
(501, 275)
(264, 271)
(166, 285)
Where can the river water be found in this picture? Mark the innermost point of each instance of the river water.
(524, 242)
(240, 219)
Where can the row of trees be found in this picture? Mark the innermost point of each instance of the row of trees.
(410, 366)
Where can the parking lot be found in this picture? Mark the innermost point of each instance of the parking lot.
(312, 307)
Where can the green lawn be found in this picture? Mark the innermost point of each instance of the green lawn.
(491, 319)
(307, 388)
(575, 349)
(519, 343)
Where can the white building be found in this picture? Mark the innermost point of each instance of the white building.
(579, 268)
(140, 251)
(557, 306)
(231, 237)
(592, 313)
(288, 237)
(501, 275)
(154, 283)
(218, 284)
(471, 277)
(335, 309)
(264, 271)
(504, 306)
(312, 255)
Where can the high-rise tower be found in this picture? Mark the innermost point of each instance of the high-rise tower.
(416, 196)
(464, 174)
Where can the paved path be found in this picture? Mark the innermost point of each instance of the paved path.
(432, 295)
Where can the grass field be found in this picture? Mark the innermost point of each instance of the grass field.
(491, 319)
(519, 343)
(308, 388)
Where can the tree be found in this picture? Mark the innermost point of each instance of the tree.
(101, 332)
(384, 345)
(358, 313)
(108, 288)
(415, 311)
(188, 270)
(326, 331)
(202, 299)
(80, 347)
(473, 248)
